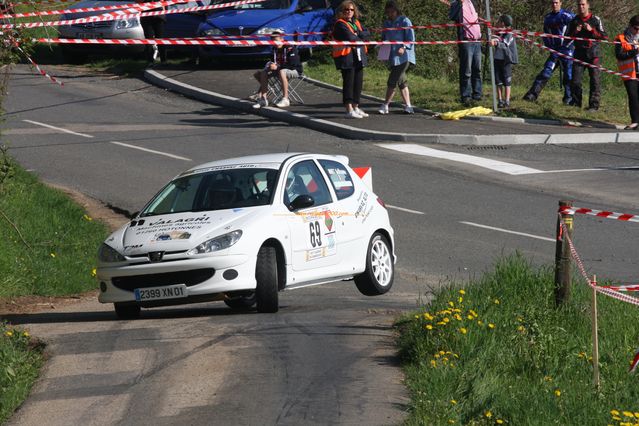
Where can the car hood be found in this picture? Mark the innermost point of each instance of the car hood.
(245, 18)
(93, 3)
(178, 231)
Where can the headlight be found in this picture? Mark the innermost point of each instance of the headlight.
(212, 32)
(126, 23)
(269, 30)
(107, 253)
(218, 243)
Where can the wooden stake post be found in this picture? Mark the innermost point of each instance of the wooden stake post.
(595, 335)
(562, 256)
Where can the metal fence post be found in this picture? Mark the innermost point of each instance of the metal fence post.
(562, 255)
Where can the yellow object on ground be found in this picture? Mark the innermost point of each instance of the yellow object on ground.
(456, 115)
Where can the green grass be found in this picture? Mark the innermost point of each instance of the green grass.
(441, 95)
(48, 243)
(20, 361)
(511, 355)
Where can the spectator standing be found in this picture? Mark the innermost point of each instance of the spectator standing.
(153, 27)
(464, 12)
(286, 64)
(400, 56)
(556, 22)
(627, 51)
(586, 25)
(350, 60)
(505, 56)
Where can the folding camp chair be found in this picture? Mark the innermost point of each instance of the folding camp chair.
(275, 91)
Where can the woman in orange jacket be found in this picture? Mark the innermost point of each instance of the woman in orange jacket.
(350, 60)
(627, 51)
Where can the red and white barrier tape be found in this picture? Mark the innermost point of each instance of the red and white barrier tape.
(599, 213)
(36, 66)
(604, 290)
(586, 64)
(132, 14)
(527, 33)
(633, 287)
(15, 3)
(93, 9)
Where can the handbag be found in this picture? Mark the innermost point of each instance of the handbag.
(383, 54)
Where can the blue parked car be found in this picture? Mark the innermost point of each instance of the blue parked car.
(261, 19)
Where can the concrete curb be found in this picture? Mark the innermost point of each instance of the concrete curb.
(349, 132)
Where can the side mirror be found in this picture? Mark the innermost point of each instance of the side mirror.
(301, 202)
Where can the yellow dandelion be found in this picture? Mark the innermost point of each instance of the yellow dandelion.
(428, 316)
(488, 414)
(433, 363)
(616, 418)
(94, 272)
(458, 317)
(520, 319)
(480, 322)
(637, 414)
(463, 330)
(549, 379)
(451, 421)
(521, 328)
(436, 356)
(446, 319)
(454, 402)
(496, 301)
(462, 292)
(52, 254)
(470, 317)
(87, 218)
(628, 414)
(491, 325)
(8, 333)
(441, 323)
(499, 421)
(456, 356)
(429, 327)
(451, 304)
(416, 316)
(458, 311)
(26, 334)
(461, 300)
(473, 313)
(441, 353)
(557, 393)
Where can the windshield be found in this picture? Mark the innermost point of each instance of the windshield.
(216, 190)
(267, 4)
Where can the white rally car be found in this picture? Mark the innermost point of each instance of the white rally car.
(242, 229)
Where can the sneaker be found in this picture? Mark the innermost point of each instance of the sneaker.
(361, 113)
(409, 110)
(506, 104)
(530, 97)
(254, 97)
(500, 103)
(156, 53)
(283, 103)
(383, 109)
(261, 102)
(353, 114)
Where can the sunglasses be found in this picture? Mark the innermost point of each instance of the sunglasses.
(349, 10)
(636, 28)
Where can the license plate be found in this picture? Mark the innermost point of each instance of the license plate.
(88, 35)
(159, 293)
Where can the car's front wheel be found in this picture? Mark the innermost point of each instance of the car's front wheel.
(127, 310)
(266, 277)
(380, 271)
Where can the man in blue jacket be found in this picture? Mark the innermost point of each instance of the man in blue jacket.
(556, 23)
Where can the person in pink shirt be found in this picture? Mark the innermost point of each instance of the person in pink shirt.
(470, 86)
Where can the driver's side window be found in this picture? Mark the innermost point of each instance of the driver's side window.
(304, 178)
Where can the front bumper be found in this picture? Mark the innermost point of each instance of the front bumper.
(204, 277)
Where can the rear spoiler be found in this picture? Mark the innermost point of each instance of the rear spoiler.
(366, 175)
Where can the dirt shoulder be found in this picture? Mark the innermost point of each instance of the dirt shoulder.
(30, 304)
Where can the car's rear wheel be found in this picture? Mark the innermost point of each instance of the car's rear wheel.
(266, 276)
(241, 302)
(127, 310)
(380, 271)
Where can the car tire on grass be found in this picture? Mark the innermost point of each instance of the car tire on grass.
(242, 302)
(266, 277)
(127, 310)
(380, 271)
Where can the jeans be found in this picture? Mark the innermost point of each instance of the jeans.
(595, 83)
(470, 70)
(545, 74)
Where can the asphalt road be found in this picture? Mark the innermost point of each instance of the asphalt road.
(327, 356)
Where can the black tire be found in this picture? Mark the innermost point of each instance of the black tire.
(127, 310)
(266, 277)
(380, 270)
(241, 303)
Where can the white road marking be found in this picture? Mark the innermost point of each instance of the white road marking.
(403, 209)
(166, 154)
(60, 129)
(496, 165)
(507, 231)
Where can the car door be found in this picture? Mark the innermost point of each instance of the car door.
(312, 16)
(185, 25)
(350, 208)
(312, 229)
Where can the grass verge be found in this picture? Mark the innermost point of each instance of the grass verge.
(21, 357)
(442, 95)
(499, 352)
(49, 243)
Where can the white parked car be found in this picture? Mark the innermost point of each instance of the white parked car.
(242, 229)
